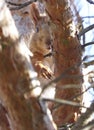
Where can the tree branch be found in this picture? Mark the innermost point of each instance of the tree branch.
(87, 44)
(90, 1)
(86, 30)
(63, 102)
(20, 6)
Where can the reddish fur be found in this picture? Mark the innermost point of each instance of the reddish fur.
(40, 44)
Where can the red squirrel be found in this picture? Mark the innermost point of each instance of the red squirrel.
(40, 44)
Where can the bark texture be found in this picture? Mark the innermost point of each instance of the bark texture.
(67, 54)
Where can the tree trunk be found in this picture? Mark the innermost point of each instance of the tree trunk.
(18, 81)
(67, 54)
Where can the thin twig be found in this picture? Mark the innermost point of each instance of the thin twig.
(86, 30)
(63, 102)
(79, 94)
(90, 1)
(87, 57)
(20, 6)
(88, 63)
(63, 75)
(87, 17)
(14, 4)
(87, 44)
(85, 119)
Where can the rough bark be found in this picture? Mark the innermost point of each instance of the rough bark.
(67, 54)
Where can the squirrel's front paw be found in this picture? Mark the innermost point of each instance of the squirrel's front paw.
(46, 72)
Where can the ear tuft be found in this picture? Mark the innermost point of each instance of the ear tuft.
(34, 13)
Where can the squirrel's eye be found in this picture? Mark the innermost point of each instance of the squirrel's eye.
(37, 29)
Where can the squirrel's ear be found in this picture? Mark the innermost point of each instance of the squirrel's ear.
(34, 13)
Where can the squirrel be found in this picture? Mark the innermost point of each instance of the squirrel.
(41, 45)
